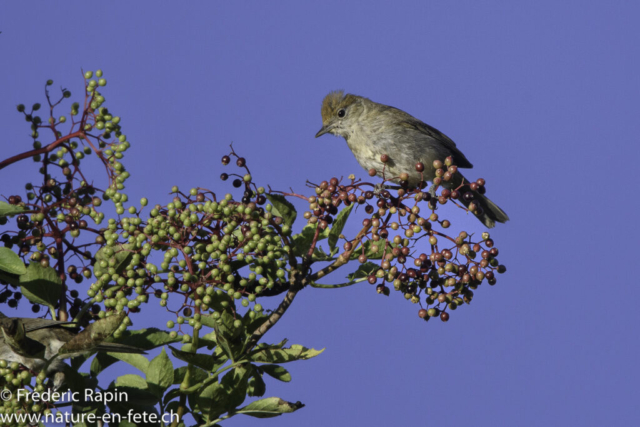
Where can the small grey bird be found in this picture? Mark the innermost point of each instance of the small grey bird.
(40, 343)
(373, 129)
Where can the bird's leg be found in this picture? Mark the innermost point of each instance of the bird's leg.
(432, 190)
(380, 186)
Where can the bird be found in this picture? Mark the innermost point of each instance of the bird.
(42, 343)
(373, 130)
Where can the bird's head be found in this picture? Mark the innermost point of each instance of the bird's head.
(339, 113)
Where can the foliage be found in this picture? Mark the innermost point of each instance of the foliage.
(207, 259)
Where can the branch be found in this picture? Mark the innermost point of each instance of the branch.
(42, 150)
(341, 285)
(276, 315)
(343, 258)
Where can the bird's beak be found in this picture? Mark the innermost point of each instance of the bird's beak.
(325, 129)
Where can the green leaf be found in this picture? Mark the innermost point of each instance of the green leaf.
(252, 324)
(235, 383)
(10, 210)
(136, 388)
(256, 386)
(76, 381)
(197, 375)
(369, 249)
(99, 363)
(146, 339)
(282, 208)
(269, 407)
(226, 327)
(212, 401)
(208, 321)
(122, 256)
(41, 285)
(160, 373)
(320, 255)
(284, 355)
(11, 279)
(302, 241)
(364, 270)
(204, 361)
(223, 343)
(11, 263)
(138, 361)
(131, 381)
(208, 340)
(277, 372)
(338, 226)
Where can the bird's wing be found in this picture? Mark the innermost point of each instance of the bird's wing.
(459, 159)
(35, 324)
(114, 347)
(16, 338)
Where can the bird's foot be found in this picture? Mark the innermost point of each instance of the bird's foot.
(378, 188)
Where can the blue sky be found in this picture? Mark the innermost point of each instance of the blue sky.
(542, 97)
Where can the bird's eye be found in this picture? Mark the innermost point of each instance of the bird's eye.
(341, 113)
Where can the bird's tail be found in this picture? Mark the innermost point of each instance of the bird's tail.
(489, 213)
(114, 347)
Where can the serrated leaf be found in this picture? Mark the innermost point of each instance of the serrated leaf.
(11, 263)
(41, 285)
(132, 381)
(277, 372)
(207, 320)
(269, 407)
(204, 361)
(138, 361)
(99, 363)
(11, 279)
(283, 355)
(338, 225)
(252, 324)
(146, 339)
(235, 383)
(364, 270)
(223, 343)
(256, 386)
(282, 208)
(212, 401)
(160, 373)
(7, 210)
(136, 388)
(320, 255)
(226, 326)
(197, 375)
(74, 380)
(369, 251)
(302, 241)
